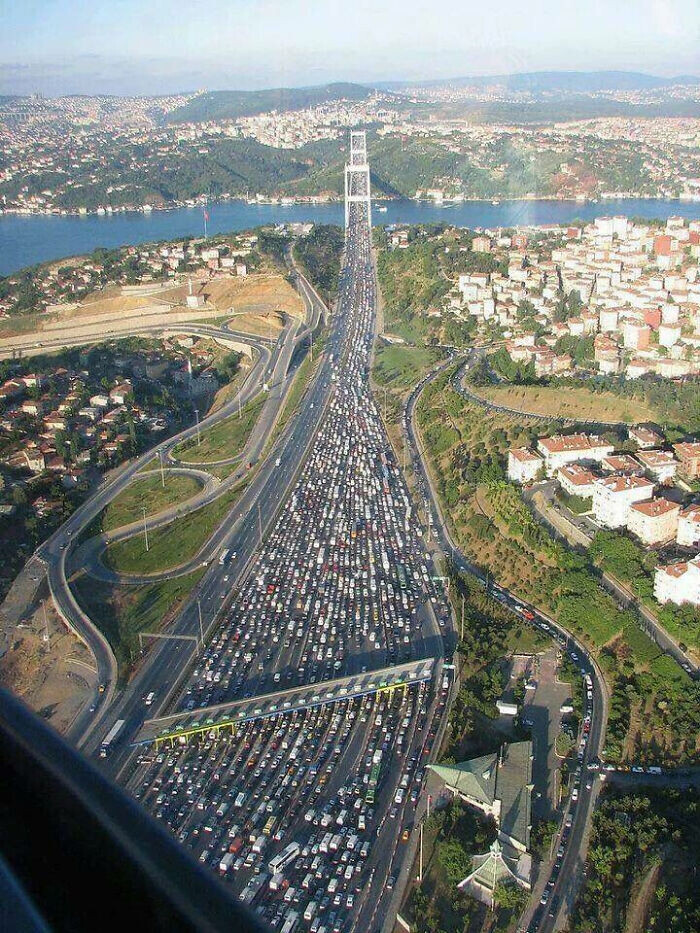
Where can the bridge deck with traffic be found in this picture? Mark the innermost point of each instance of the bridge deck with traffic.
(200, 721)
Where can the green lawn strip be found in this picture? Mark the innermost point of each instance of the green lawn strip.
(148, 492)
(121, 612)
(398, 367)
(306, 370)
(173, 544)
(224, 439)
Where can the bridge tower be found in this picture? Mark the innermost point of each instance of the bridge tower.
(357, 190)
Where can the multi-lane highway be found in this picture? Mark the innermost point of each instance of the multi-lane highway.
(326, 577)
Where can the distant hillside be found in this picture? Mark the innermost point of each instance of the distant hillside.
(554, 109)
(227, 105)
(568, 81)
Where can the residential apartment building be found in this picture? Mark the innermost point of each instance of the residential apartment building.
(621, 463)
(576, 480)
(655, 521)
(689, 527)
(678, 583)
(613, 496)
(689, 458)
(523, 465)
(645, 438)
(561, 449)
(660, 463)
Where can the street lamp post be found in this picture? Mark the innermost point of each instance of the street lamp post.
(145, 526)
(196, 418)
(162, 471)
(201, 626)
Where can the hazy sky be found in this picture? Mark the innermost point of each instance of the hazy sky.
(156, 46)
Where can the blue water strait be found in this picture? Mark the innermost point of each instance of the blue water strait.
(25, 240)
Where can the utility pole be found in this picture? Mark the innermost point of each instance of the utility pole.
(46, 625)
(420, 861)
(162, 471)
(201, 627)
(196, 418)
(145, 526)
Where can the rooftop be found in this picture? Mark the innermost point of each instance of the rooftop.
(561, 443)
(617, 484)
(505, 776)
(654, 508)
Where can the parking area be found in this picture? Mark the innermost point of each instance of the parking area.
(544, 697)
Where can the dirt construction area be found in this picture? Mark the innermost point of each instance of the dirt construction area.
(256, 300)
(54, 677)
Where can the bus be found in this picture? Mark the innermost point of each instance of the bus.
(291, 922)
(224, 554)
(287, 855)
(372, 784)
(110, 740)
(269, 826)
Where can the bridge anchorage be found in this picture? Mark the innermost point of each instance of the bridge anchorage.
(357, 190)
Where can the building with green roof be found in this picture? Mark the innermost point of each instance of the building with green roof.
(499, 785)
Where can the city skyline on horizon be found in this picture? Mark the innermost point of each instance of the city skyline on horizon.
(250, 45)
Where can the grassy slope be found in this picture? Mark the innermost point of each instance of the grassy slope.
(223, 440)
(123, 612)
(570, 403)
(148, 492)
(400, 368)
(173, 544)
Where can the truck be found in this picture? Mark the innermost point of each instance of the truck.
(224, 554)
(226, 862)
(253, 888)
(110, 740)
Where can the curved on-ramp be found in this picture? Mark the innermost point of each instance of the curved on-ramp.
(55, 551)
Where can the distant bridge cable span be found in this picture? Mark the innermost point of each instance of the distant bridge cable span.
(357, 190)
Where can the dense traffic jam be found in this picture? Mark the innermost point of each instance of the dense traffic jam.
(307, 813)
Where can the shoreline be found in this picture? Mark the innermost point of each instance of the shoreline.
(495, 201)
(28, 240)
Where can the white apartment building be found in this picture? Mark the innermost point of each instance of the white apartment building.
(560, 450)
(689, 527)
(576, 480)
(523, 465)
(655, 521)
(669, 334)
(613, 496)
(678, 583)
(645, 438)
(660, 463)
